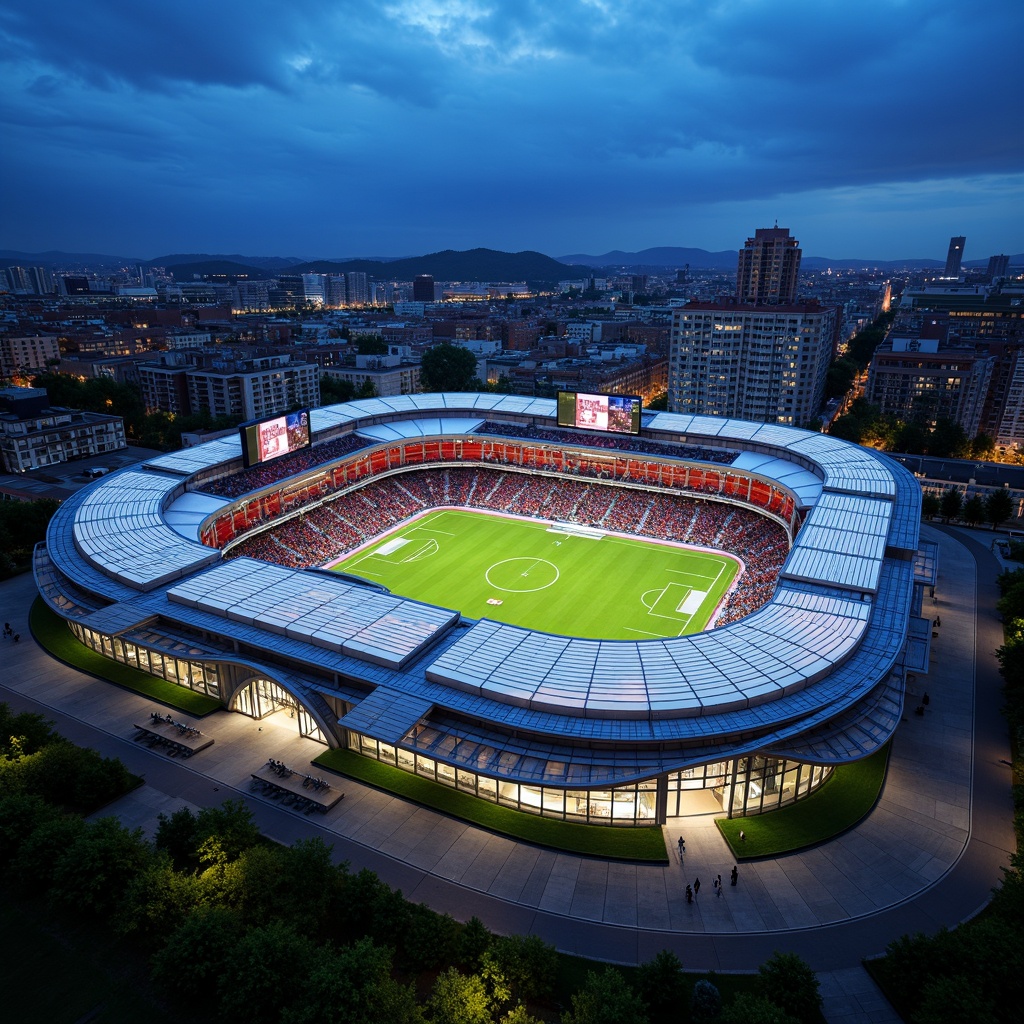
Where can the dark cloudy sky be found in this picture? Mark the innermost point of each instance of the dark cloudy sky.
(337, 128)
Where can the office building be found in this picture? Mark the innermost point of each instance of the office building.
(423, 288)
(954, 256)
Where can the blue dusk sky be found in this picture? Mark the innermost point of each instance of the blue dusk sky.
(870, 128)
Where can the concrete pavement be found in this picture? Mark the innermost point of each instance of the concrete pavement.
(928, 855)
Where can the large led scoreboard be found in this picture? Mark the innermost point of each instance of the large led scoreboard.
(263, 440)
(613, 414)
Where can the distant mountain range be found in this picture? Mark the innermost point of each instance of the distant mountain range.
(674, 257)
(452, 265)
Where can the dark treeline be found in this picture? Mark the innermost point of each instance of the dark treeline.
(22, 526)
(239, 929)
(976, 972)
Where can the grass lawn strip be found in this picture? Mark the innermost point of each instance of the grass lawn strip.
(842, 801)
(52, 633)
(645, 844)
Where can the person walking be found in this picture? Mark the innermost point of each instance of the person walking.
(714, 885)
(696, 887)
(689, 893)
(735, 874)
(718, 882)
(682, 847)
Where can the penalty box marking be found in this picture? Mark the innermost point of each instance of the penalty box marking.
(676, 600)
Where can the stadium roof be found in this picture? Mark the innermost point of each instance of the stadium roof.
(810, 672)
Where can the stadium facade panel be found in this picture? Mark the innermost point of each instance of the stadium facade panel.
(154, 567)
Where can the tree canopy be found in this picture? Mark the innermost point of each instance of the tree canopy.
(448, 367)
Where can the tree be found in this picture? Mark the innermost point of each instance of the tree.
(448, 367)
(950, 504)
(982, 446)
(224, 833)
(20, 815)
(261, 973)
(431, 940)
(193, 957)
(973, 511)
(956, 998)
(751, 1009)
(370, 344)
(840, 377)
(92, 872)
(32, 731)
(459, 999)
(998, 508)
(930, 506)
(948, 440)
(605, 998)
(661, 985)
(473, 941)
(787, 980)
(1011, 591)
(352, 985)
(521, 967)
(35, 864)
(177, 835)
(334, 390)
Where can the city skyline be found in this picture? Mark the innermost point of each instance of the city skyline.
(395, 129)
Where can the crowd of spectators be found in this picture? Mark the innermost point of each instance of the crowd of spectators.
(267, 473)
(333, 529)
(618, 442)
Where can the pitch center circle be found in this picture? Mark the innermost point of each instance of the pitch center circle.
(522, 575)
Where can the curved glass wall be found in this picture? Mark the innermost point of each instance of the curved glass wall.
(743, 786)
(201, 676)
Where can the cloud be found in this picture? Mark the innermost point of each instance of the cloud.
(514, 124)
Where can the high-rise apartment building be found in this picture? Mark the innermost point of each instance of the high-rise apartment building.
(768, 268)
(761, 363)
(954, 256)
(761, 356)
(357, 284)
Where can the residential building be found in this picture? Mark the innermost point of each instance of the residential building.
(768, 267)
(244, 387)
(27, 352)
(34, 434)
(761, 363)
(389, 375)
(249, 389)
(926, 379)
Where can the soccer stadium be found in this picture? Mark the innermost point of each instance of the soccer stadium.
(596, 625)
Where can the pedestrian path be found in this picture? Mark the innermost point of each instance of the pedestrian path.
(927, 855)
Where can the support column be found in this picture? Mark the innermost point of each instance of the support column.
(661, 800)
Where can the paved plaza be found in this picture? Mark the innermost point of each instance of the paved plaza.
(928, 854)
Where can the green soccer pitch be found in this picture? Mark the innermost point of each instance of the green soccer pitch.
(548, 576)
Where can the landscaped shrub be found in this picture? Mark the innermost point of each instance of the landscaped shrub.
(705, 1003)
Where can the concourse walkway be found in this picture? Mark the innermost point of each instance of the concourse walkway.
(928, 855)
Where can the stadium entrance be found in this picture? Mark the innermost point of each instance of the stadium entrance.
(262, 698)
